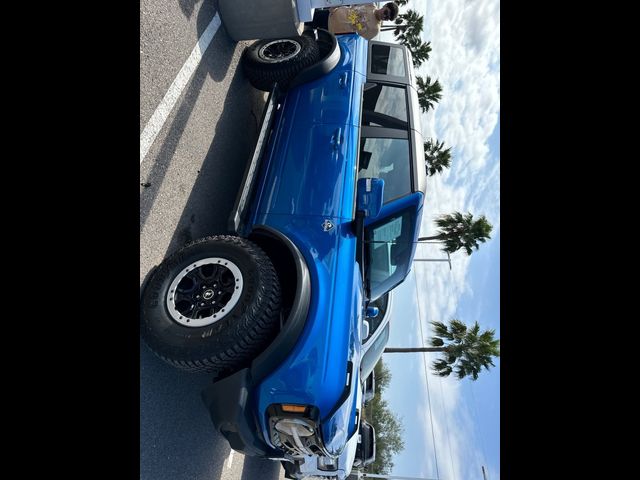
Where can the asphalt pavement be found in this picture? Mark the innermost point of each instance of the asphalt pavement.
(188, 183)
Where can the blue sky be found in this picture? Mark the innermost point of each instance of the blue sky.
(460, 432)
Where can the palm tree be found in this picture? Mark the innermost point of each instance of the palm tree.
(407, 30)
(410, 20)
(461, 231)
(428, 93)
(413, 23)
(466, 350)
(435, 158)
(419, 50)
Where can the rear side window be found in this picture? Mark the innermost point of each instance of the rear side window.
(387, 60)
(388, 159)
(384, 106)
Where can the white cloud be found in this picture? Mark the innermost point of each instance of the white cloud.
(465, 59)
(465, 39)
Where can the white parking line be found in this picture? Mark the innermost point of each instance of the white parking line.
(155, 123)
(230, 459)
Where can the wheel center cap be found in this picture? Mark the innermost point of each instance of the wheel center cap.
(208, 294)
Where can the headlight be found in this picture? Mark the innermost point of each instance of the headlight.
(296, 432)
(296, 427)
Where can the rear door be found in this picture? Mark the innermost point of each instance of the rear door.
(335, 97)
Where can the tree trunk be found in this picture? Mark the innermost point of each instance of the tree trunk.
(419, 349)
(435, 237)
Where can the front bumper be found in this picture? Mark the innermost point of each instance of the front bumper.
(226, 401)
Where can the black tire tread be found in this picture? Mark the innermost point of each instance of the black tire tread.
(246, 336)
(263, 76)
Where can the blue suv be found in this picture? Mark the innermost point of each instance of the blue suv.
(325, 223)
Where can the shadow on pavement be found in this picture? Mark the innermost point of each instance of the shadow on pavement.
(214, 192)
(188, 6)
(214, 63)
(177, 438)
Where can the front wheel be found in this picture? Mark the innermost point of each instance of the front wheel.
(266, 62)
(212, 306)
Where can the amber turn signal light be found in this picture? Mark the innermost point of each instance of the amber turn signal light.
(293, 408)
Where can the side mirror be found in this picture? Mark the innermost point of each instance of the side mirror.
(372, 312)
(365, 329)
(369, 196)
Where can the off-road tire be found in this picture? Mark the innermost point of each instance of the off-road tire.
(263, 74)
(230, 343)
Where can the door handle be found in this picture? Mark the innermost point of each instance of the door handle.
(343, 79)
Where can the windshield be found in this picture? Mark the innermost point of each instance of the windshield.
(388, 246)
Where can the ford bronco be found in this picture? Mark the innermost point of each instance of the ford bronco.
(325, 222)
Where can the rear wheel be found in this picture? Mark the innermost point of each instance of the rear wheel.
(212, 306)
(269, 61)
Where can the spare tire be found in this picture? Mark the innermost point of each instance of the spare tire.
(266, 62)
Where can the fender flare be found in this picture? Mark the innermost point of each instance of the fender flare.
(325, 64)
(285, 341)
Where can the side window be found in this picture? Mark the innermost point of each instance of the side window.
(387, 60)
(388, 159)
(384, 106)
